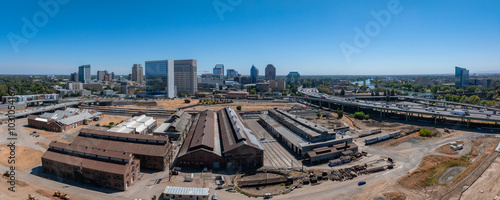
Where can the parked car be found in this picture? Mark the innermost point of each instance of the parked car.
(361, 183)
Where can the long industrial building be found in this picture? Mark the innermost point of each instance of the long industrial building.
(63, 120)
(175, 127)
(152, 151)
(220, 140)
(90, 165)
(305, 138)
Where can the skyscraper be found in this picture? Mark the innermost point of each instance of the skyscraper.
(461, 77)
(219, 69)
(84, 74)
(160, 77)
(137, 73)
(254, 74)
(101, 74)
(270, 72)
(74, 77)
(293, 77)
(231, 73)
(186, 77)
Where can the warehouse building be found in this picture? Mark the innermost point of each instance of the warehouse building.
(152, 151)
(94, 166)
(202, 147)
(175, 127)
(63, 120)
(186, 193)
(306, 138)
(239, 146)
(218, 140)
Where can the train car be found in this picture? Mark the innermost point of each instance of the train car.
(371, 140)
(384, 137)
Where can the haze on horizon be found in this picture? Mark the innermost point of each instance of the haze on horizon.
(419, 37)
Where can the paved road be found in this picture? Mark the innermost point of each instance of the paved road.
(436, 111)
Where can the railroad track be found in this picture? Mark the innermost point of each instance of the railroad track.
(275, 151)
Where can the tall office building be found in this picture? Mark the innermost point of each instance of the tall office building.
(160, 77)
(293, 78)
(461, 77)
(73, 77)
(111, 76)
(84, 74)
(101, 74)
(231, 73)
(137, 73)
(254, 74)
(219, 69)
(186, 79)
(270, 72)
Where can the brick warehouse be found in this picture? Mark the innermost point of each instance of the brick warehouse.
(152, 151)
(98, 167)
(220, 140)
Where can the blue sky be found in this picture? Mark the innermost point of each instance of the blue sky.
(425, 37)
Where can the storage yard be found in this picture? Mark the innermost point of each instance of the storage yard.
(385, 150)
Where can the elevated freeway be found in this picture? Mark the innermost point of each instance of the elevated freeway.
(438, 113)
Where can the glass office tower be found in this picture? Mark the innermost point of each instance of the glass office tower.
(461, 77)
(160, 78)
(84, 73)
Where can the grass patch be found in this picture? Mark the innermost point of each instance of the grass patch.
(427, 133)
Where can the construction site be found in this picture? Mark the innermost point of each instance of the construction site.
(280, 149)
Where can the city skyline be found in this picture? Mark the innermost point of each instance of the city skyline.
(433, 43)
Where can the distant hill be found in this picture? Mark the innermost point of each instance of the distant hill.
(423, 81)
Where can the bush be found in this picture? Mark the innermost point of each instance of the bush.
(340, 114)
(238, 108)
(361, 115)
(187, 101)
(426, 133)
(318, 114)
(98, 124)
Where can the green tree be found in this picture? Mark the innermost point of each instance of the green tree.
(340, 114)
(187, 101)
(474, 99)
(318, 114)
(464, 99)
(238, 107)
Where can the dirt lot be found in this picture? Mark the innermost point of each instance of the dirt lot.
(395, 195)
(445, 148)
(486, 183)
(109, 118)
(26, 158)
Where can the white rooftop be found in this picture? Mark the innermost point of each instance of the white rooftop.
(135, 124)
(186, 191)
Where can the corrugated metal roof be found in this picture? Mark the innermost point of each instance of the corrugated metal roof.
(76, 118)
(289, 135)
(121, 135)
(187, 191)
(134, 148)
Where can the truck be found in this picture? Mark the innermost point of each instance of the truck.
(456, 112)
